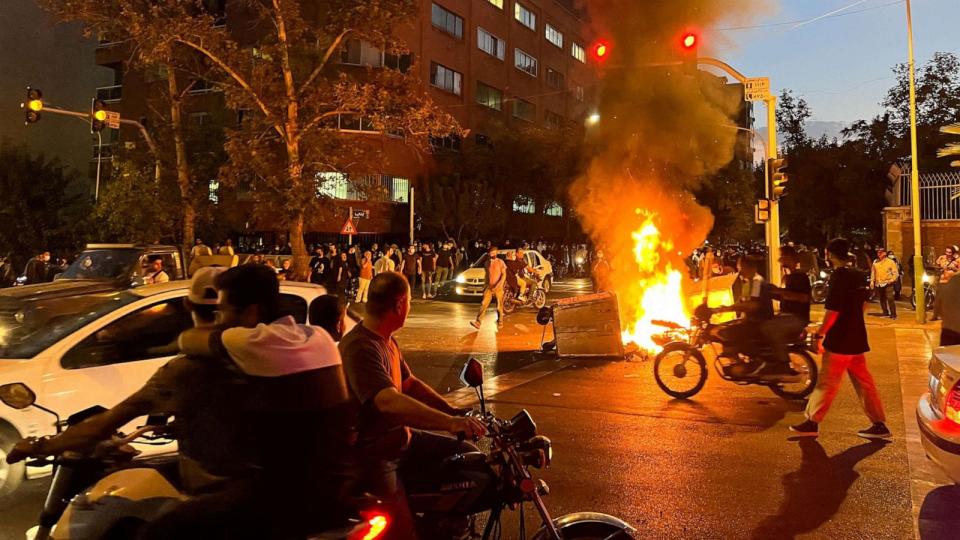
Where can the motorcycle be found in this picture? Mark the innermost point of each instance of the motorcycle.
(820, 285)
(103, 494)
(536, 298)
(930, 280)
(500, 478)
(680, 369)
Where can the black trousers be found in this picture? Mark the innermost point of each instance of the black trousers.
(887, 304)
(419, 464)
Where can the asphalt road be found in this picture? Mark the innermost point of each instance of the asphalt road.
(720, 466)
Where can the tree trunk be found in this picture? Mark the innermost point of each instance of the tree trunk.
(301, 263)
(183, 168)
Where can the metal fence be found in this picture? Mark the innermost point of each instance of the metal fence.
(939, 195)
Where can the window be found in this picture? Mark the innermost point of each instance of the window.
(357, 52)
(578, 93)
(450, 142)
(524, 16)
(577, 51)
(400, 190)
(554, 36)
(553, 120)
(447, 21)
(491, 44)
(525, 62)
(489, 96)
(497, 3)
(445, 78)
(149, 332)
(523, 205)
(213, 191)
(196, 121)
(202, 86)
(555, 79)
(554, 209)
(400, 62)
(524, 110)
(335, 186)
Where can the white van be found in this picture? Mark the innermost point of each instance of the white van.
(93, 349)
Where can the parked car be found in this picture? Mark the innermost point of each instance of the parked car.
(938, 412)
(109, 267)
(470, 282)
(93, 349)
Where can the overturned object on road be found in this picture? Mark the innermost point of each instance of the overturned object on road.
(587, 326)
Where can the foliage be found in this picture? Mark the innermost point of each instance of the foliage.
(45, 205)
(730, 193)
(133, 208)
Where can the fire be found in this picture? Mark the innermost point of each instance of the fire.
(658, 286)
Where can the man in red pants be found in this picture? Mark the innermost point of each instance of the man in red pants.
(843, 347)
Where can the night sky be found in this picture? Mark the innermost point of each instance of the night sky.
(57, 59)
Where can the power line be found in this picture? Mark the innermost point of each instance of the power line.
(800, 22)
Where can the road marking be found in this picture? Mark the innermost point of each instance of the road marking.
(466, 397)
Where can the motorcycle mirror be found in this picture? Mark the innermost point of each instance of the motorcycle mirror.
(17, 395)
(472, 373)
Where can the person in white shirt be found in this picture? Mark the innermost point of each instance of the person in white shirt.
(883, 274)
(155, 273)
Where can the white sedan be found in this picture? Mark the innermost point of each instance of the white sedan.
(93, 349)
(938, 412)
(471, 282)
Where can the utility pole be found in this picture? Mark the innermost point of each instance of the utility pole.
(411, 214)
(918, 269)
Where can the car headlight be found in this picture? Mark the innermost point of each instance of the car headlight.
(579, 260)
(461, 279)
(823, 274)
(927, 278)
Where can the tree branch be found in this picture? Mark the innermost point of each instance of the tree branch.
(326, 58)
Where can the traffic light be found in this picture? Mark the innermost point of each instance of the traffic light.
(953, 148)
(777, 168)
(689, 48)
(32, 106)
(600, 51)
(98, 116)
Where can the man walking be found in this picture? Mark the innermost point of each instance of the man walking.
(843, 347)
(410, 267)
(496, 274)
(883, 275)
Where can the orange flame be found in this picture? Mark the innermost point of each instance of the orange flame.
(659, 287)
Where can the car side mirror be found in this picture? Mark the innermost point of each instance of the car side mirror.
(17, 395)
(472, 373)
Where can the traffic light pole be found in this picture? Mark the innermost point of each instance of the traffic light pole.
(143, 131)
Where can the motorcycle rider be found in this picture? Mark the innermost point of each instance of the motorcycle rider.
(395, 407)
(218, 458)
(794, 314)
(754, 301)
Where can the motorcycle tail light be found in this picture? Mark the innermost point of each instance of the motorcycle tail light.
(375, 526)
(951, 407)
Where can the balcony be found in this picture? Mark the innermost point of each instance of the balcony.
(110, 94)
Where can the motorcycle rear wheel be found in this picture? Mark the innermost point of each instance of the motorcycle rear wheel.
(802, 362)
(679, 363)
(539, 298)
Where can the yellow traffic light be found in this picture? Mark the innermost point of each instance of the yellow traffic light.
(100, 115)
(777, 168)
(35, 105)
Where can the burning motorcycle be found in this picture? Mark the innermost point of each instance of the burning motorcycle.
(500, 478)
(680, 369)
(103, 494)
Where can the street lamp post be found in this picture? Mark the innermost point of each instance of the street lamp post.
(918, 269)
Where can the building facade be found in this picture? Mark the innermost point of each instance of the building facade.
(509, 61)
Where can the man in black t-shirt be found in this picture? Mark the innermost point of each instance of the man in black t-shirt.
(843, 347)
(794, 313)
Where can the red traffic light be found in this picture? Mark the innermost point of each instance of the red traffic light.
(600, 51)
(689, 41)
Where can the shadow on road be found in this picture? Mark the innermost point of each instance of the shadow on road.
(939, 518)
(814, 492)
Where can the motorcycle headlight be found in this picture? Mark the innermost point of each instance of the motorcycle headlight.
(927, 278)
(521, 427)
(461, 279)
(823, 274)
(537, 452)
(579, 260)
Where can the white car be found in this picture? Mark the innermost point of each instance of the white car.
(93, 349)
(938, 412)
(470, 282)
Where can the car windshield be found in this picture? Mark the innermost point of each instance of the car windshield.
(27, 328)
(103, 264)
(483, 259)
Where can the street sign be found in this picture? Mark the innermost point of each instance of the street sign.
(361, 214)
(761, 211)
(348, 228)
(756, 89)
(113, 120)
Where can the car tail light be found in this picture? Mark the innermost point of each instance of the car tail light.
(951, 407)
(375, 526)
